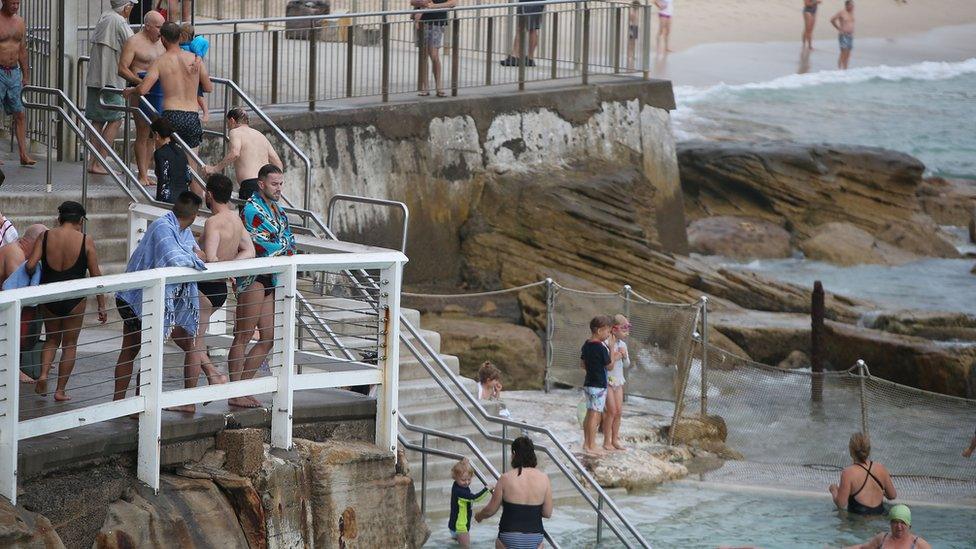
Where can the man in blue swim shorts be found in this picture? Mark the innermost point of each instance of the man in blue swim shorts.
(14, 72)
(843, 21)
(138, 54)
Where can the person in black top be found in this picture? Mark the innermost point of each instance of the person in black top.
(172, 169)
(525, 496)
(596, 359)
(430, 37)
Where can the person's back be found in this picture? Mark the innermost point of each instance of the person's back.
(229, 230)
(866, 483)
(526, 486)
(10, 259)
(256, 151)
(179, 72)
(62, 250)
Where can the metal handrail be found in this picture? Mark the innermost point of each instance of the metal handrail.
(231, 85)
(424, 450)
(376, 201)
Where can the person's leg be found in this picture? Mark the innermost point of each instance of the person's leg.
(20, 125)
(666, 26)
(807, 29)
(533, 42)
(464, 539)
(619, 398)
(108, 132)
(214, 377)
(246, 316)
(435, 65)
(609, 413)
(131, 344)
(631, 48)
(593, 418)
(517, 43)
(191, 365)
(142, 149)
(424, 56)
(52, 340)
(71, 327)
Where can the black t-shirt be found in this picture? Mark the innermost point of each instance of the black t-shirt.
(595, 357)
(436, 17)
(172, 172)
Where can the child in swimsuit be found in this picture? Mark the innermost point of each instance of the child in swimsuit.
(462, 498)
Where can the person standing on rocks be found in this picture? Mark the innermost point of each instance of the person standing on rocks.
(596, 360)
(843, 21)
(615, 383)
(139, 52)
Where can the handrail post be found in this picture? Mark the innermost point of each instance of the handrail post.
(9, 390)
(585, 61)
(522, 29)
(283, 358)
(862, 370)
(151, 374)
(312, 62)
(550, 330)
(235, 59)
(489, 43)
(646, 40)
(350, 41)
(504, 438)
(389, 356)
(385, 78)
(421, 56)
(49, 165)
(455, 53)
(554, 54)
(599, 519)
(704, 360)
(275, 64)
(423, 476)
(616, 39)
(125, 131)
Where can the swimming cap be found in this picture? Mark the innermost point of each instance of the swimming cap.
(900, 512)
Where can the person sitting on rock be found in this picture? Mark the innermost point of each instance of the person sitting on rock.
(864, 484)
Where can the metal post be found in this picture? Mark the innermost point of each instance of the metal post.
(283, 358)
(455, 54)
(862, 370)
(554, 54)
(151, 374)
(599, 519)
(266, 8)
(385, 79)
(421, 56)
(125, 135)
(9, 389)
(817, 312)
(389, 356)
(312, 62)
(504, 439)
(646, 45)
(275, 47)
(704, 361)
(236, 59)
(423, 476)
(49, 165)
(627, 292)
(550, 329)
(585, 61)
(522, 29)
(489, 43)
(350, 41)
(615, 39)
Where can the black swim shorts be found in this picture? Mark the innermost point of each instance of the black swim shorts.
(187, 125)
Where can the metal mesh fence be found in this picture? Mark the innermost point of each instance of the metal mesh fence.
(789, 441)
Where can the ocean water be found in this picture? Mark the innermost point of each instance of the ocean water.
(927, 110)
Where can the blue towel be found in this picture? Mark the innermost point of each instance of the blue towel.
(166, 245)
(20, 278)
(198, 46)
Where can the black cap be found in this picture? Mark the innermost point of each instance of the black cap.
(70, 210)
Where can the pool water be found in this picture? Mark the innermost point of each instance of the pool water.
(694, 514)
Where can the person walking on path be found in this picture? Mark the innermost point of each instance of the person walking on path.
(843, 21)
(249, 150)
(14, 72)
(64, 253)
(107, 40)
(269, 230)
(809, 20)
(139, 52)
(525, 495)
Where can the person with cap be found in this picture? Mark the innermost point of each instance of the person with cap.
(64, 253)
(900, 535)
(107, 40)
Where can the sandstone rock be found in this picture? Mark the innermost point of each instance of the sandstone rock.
(22, 529)
(918, 235)
(766, 337)
(797, 185)
(634, 469)
(247, 505)
(286, 497)
(357, 499)
(695, 430)
(948, 201)
(243, 450)
(185, 513)
(795, 361)
(945, 326)
(846, 244)
(738, 238)
(515, 350)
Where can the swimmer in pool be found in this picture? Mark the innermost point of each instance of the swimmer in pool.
(864, 484)
(900, 535)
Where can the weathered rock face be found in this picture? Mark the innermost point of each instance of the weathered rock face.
(948, 201)
(738, 238)
(944, 326)
(22, 529)
(846, 244)
(515, 350)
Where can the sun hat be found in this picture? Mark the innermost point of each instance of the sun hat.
(901, 513)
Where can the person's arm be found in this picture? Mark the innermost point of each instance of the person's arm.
(94, 270)
(22, 58)
(210, 242)
(273, 157)
(834, 20)
(233, 153)
(494, 503)
(35, 256)
(145, 85)
(245, 248)
(547, 504)
(205, 82)
(887, 484)
(202, 104)
(125, 64)
(840, 492)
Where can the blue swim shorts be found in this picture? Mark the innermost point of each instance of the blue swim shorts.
(846, 40)
(596, 398)
(11, 84)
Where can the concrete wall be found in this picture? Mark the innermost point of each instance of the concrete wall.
(436, 156)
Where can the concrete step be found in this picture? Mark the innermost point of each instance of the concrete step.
(100, 225)
(411, 369)
(418, 392)
(442, 415)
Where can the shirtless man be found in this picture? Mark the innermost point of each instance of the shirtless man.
(843, 21)
(181, 73)
(138, 53)
(249, 150)
(14, 72)
(11, 258)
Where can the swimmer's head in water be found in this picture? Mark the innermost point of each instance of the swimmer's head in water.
(900, 513)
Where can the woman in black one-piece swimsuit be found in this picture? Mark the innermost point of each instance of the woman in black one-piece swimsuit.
(63, 318)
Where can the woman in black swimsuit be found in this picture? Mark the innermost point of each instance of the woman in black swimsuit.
(65, 253)
(525, 496)
(865, 484)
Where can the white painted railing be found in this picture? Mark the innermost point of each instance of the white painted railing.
(285, 377)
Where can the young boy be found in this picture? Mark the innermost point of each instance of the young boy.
(172, 170)
(461, 500)
(596, 359)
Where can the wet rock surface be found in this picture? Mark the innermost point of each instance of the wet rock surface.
(739, 238)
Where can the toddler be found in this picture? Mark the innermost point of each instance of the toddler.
(461, 500)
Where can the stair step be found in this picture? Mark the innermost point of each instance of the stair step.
(100, 225)
(411, 369)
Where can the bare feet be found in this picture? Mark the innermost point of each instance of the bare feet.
(145, 182)
(592, 452)
(27, 161)
(97, 169)
(619, 447)
(41, 387)
(187, 409)
(244, 402)
(61, 396)
(24, 378)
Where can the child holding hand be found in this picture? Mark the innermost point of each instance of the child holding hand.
(462, 499)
